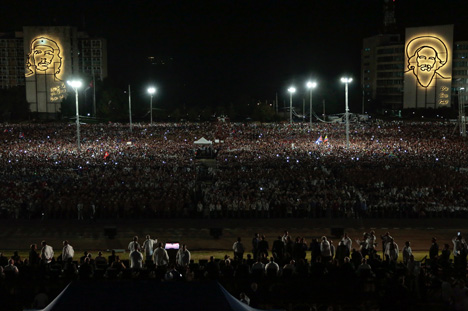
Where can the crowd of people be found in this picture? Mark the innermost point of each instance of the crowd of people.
(367, 273)
(392, 169)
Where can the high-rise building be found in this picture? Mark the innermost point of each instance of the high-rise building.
(11, 60)
(382, 68)
(43, 58)
(392, 79)
(422, 68)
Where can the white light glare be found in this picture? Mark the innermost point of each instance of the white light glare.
(311, 85)
(75, 84)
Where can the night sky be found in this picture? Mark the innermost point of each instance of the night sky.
(224, 51)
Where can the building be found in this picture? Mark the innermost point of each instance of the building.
(11, 60)
(389, 83)
(42, 59)
(382, 68)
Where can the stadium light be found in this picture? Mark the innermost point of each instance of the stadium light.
(151, 91)
(461, 112)
(76, 84)
(311, 86)
(291, 91)
(346, 81)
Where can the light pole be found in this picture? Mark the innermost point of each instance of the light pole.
(346, 81)
(151, 91)
(311, 86)
(291, 91)
(461, 112)
(76, 84)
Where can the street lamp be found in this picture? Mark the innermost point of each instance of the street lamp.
(311, 86)
(461, 112)
(76, 84)
(291, 91)
(151, 91)
(346, 81)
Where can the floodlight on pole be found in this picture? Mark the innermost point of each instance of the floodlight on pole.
(311, 85)
(461, 112)
(76, 84)
(291, 91)
(346, 81)
(151, 91)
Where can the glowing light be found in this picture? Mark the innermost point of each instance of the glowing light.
(76, 84)
(428, 67)
(44, 65)
(312, 85)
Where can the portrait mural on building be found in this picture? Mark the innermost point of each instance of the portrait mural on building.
(44, 69)
(426, 55)
(428, 73)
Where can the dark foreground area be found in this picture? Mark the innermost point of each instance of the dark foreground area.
(302, 282)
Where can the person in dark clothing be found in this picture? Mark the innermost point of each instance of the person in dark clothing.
(212, 269)
(297, 250)
(255, 241)
(445, 256)
(111, 258)
(34, 257)
(278, 250)
(356, 257)
(86, 269)
(342, 251)
(434, 250)
(3, 260)
(250, 261)
(263, 247)
(254, 295)
(242, 270)
(315, 249)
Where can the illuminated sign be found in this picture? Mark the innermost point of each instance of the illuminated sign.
(44, 71)
(44, 56)
(428, 61)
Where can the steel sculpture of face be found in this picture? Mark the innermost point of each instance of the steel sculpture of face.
(43, 57)
(426, 55)
(426, 60)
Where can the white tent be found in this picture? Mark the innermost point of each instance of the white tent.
(203, 141)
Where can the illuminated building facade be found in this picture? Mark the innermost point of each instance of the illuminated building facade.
(43, 58)
(425, 70)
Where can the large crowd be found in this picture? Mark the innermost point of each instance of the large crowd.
(369, 273)
(391, 169)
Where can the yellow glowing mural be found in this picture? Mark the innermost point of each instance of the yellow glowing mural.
(426, 56)
(44, 56)
(428, 74)
(44, 65)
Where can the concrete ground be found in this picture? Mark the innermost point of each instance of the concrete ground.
(91, 235)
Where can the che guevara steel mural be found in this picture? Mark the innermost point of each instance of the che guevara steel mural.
(44, 70)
